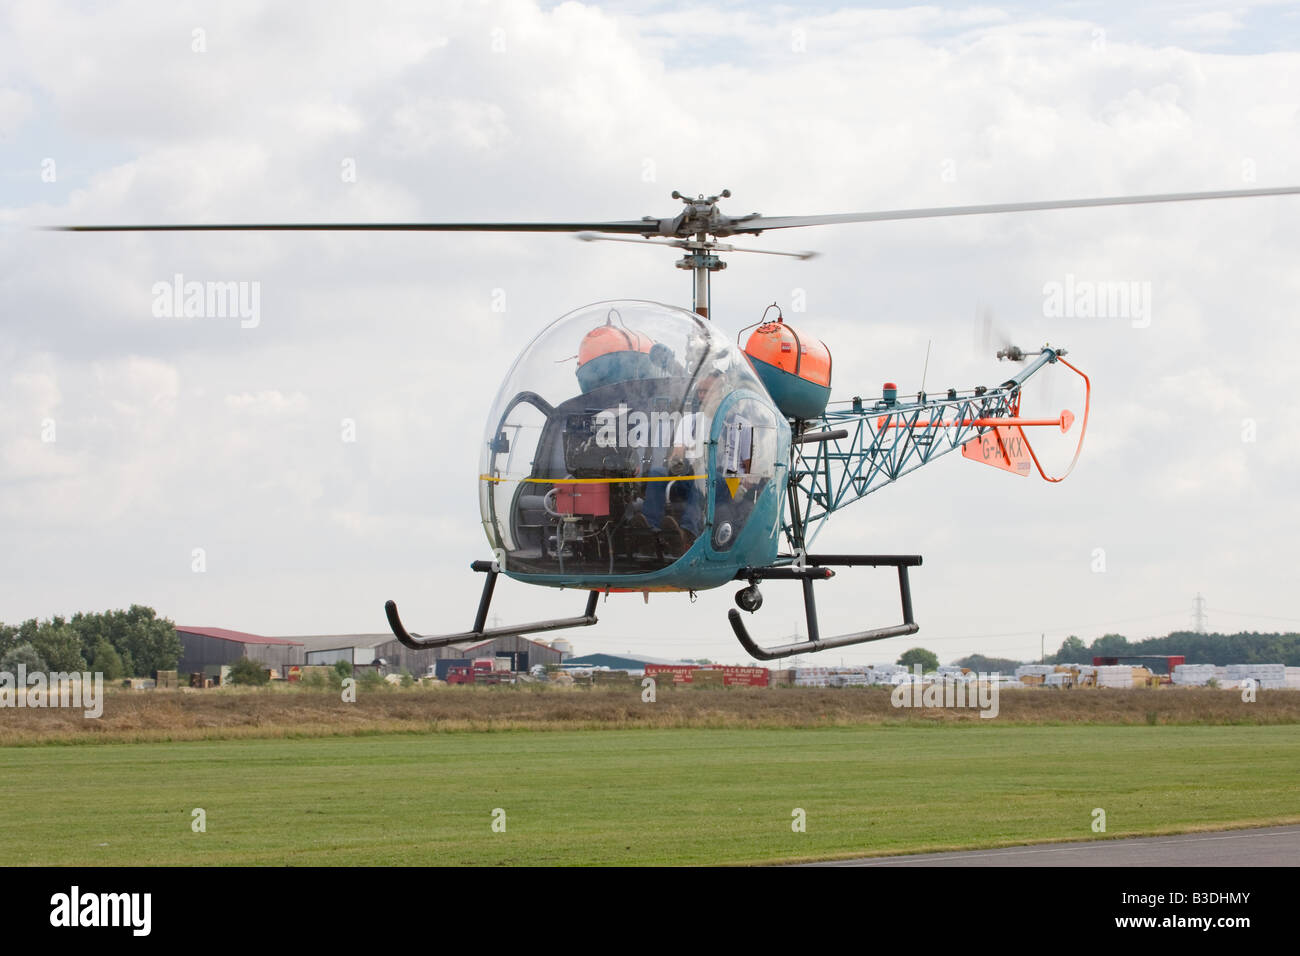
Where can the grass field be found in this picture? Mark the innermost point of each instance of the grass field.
(638, 796)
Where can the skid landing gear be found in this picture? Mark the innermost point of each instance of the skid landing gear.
(818, 567)
(416, 642)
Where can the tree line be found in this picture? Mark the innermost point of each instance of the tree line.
(1244, 647)
(130, 643)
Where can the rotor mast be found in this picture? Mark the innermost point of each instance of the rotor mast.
(701, 255)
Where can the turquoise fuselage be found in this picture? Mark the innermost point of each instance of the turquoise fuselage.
(702, 566)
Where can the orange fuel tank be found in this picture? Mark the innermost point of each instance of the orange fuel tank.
(795, 369)
(610, 353)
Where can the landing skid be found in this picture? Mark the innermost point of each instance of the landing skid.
(479, 633)
(815, 568)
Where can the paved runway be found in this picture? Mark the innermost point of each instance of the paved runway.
(1266, 846)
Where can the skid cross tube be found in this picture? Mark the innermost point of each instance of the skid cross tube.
(807, 575)
(479, 633)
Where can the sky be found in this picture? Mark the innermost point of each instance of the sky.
(286, 473)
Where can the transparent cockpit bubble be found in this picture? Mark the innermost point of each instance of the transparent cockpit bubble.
(595, 454)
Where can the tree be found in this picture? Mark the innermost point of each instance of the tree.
(106, 660)
(60, 646)
(342, 671)
(150, 640)
(23, 654)
(145, 642)
(988, 665)
(1110, 645)
(1073, 651)
(24, 633)
(248, 671)
(919, 655)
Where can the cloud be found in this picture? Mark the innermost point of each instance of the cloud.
(174, 434)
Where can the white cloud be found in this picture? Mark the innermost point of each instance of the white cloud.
(15, 109)
(175, 434)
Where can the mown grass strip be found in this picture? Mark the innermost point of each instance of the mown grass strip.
(635, 797)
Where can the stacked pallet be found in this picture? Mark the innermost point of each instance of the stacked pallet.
(1265, 676)
(1116, 675)
(812, 676)
(1194, 675)
(1034, 670)
(1033, 675)
(848, 676)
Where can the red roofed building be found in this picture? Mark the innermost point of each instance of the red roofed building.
(207, 648)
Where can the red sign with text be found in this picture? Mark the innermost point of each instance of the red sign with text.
(731, 676)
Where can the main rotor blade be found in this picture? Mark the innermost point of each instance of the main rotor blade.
(807, 254)
(639, 227)
(760, 223)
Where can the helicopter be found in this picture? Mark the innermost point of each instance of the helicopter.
(635, 448)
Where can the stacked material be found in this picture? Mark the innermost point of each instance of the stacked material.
(1194, 675)
(1035, 670)
(811, 676)
(1265, 676)
(848, 679)
(1115, 675)
(1293, 677)
(850, 676)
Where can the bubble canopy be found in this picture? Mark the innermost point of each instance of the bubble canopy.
(600, 445)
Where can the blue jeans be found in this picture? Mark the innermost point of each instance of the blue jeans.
(656, 502)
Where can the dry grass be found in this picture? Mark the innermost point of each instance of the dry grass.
(283, 712)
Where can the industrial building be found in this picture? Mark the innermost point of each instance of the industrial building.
(390, 656)
(634, 664)
(206, 649)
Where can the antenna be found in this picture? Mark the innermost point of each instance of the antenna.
(926, 369)
(1198, 614)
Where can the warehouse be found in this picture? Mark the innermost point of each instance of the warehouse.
(206, 649)
(388, 654)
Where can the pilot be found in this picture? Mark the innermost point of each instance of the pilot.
(688, 437)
